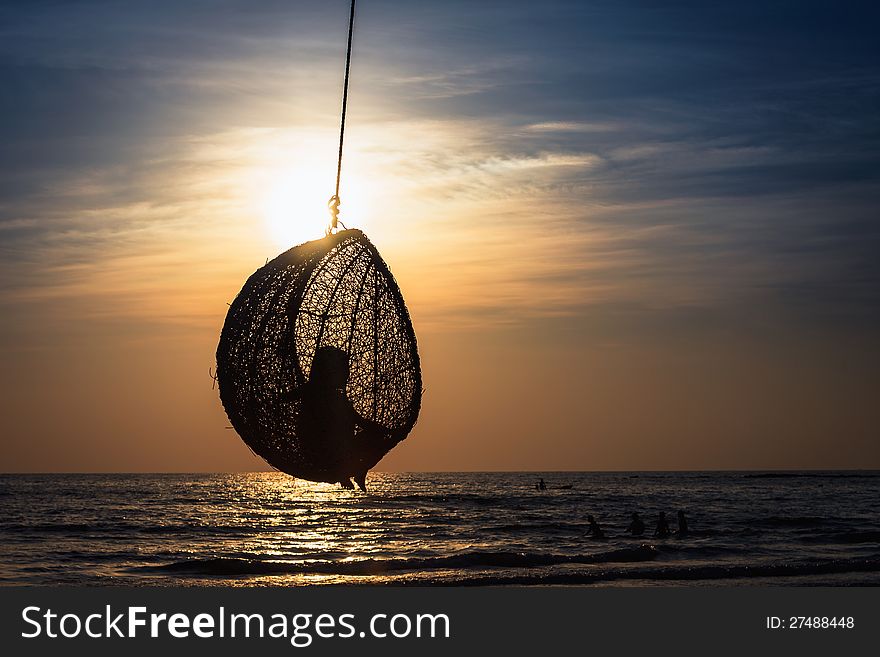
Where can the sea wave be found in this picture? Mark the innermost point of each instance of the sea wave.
(534, 574)
(465, 560)
(789, 521)
(539, 527)
(668, 573)
(845, 537)
(116, 528)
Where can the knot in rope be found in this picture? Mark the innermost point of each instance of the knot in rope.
(333, 208)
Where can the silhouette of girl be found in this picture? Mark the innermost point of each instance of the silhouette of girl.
(330, 420)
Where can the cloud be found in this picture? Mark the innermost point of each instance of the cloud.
(571, 126)
(619, 155)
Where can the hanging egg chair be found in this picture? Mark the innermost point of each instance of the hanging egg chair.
(317, 363)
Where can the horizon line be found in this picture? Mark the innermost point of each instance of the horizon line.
(214, 472)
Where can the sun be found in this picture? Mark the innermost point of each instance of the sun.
(293, 203)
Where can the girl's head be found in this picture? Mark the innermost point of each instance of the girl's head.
(329, 368)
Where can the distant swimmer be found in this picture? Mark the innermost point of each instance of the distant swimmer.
(636, 527)
(541, 485)
(594, 530)
(682, 524)
(662, 530)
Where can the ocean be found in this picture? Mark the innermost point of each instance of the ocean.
(268, 529)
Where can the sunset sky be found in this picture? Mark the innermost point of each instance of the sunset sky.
(631, 235)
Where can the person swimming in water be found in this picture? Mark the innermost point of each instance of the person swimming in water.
(330, 421)
(594, 529)
(541, 485)
(662, 529)
(636, 527)
(682, 525)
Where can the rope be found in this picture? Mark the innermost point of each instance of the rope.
(334, 202)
